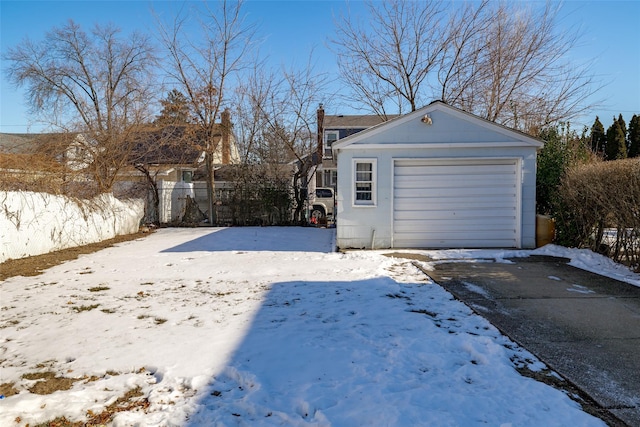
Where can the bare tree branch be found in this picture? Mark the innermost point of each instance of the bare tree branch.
(279, 111)
(392, 54)
(201, 66)
(98, 84)
(506, 62)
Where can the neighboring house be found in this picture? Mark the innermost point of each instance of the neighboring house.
(331, 129)
(169, 158)
(41, 162)
(162, 160)
(19, 143)
(436, 178)
(161, 166)
(169, 153)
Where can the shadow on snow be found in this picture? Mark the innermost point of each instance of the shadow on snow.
(317, 351)
(277, 239)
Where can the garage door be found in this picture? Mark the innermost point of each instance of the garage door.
(456, 203)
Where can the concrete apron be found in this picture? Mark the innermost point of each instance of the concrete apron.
(583, 326)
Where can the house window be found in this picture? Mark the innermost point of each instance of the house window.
(364, 182)
(187, 176)
(329, 138)
(329, 178)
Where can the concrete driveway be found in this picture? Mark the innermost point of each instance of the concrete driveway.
(584, 326)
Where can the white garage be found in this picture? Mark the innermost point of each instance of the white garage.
(455, 203)
(436, 178)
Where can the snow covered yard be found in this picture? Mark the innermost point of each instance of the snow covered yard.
(260, 326)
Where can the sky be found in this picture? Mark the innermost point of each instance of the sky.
(292, 29)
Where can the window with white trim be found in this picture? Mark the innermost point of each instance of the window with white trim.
(364, 182)
(329, 178)
(330, 137)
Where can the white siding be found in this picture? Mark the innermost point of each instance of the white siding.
(453, 136)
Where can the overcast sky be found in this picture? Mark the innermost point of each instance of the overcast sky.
(291, 29)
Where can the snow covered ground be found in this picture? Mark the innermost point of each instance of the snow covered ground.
(579, 258)
(261, 327)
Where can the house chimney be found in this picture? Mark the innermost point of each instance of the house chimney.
(225, 118)
(320, 132)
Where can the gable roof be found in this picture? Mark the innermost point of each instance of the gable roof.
(447, 125)
(353, 121)
(165, 146)
(17, 142)
(31, 143)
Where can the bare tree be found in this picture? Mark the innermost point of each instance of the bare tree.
(506, 62)
(459, 64)
(202, 65)
(388, 59)
(256, 143)
(98, 84)
(280, 122)
(524, 79)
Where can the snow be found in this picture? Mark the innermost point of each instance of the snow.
(590, 261)
(579, 289)
(266, 326)
(39, 223)
(579, 258)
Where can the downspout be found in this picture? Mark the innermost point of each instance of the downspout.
(373, 238)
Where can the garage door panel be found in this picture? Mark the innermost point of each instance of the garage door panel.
(456, 243)
(409, 226)
(468, 235)
(455, 203)
(451, 181)
(469, 161)
(435, 204)
(475, 215)
(451, 206)
(472, 192)
(454, 170)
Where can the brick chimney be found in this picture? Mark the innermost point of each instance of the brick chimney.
(320, 114)
(225, 118)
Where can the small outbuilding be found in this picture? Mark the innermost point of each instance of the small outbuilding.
(438, 177)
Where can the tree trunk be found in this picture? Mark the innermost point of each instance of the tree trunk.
(153, 185)
(211, 185)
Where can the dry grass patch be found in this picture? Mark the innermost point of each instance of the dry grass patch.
(48, 382)
(8, 389)
(82, 308)
(406, 255)
(35, 265)
(132, 400)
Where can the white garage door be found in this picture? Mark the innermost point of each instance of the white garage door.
(456, 203)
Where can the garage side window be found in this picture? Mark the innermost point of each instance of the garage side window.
(364, 182)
